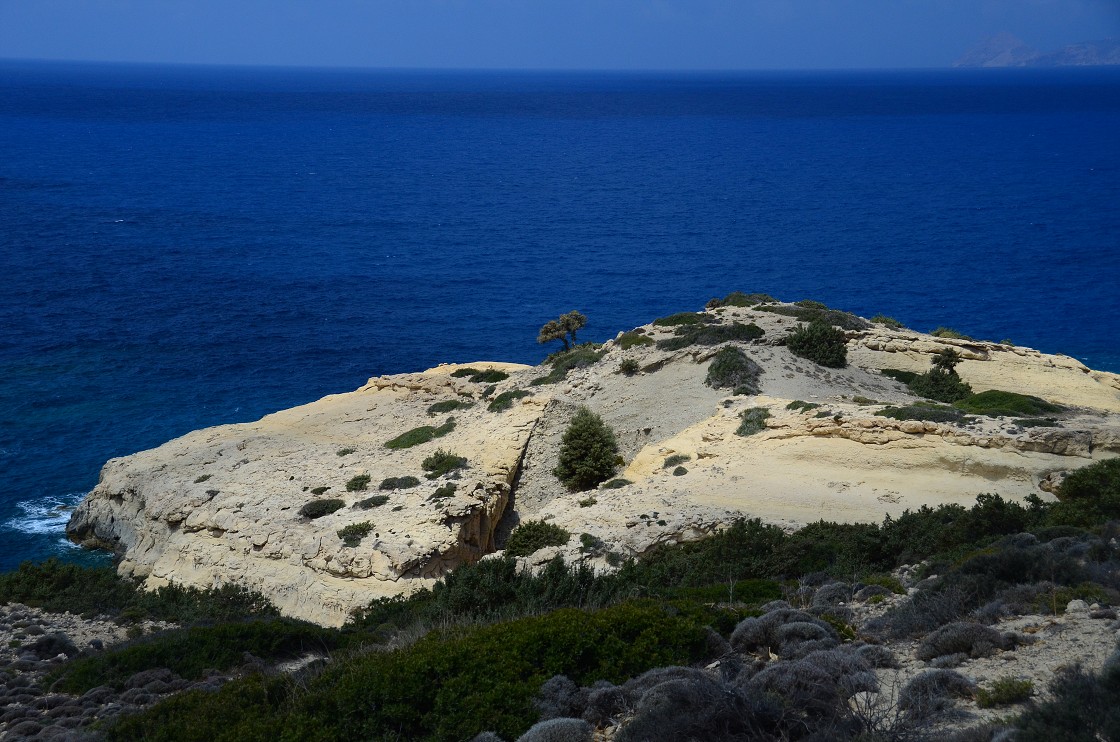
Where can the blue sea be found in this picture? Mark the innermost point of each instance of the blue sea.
(184, 247)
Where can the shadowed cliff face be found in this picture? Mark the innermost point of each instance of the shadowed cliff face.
(223, 504)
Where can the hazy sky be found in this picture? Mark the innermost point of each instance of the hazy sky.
(558, 34)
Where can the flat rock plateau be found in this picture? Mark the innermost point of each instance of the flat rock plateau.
(223, 505)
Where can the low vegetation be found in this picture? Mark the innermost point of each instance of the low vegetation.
(820, 343)
(995, 403)
(682, 318)
(353, 534)
(752, 420)
(628, 367)
(689, 334)
(949, 333)
(489, 376)
(319, 508)
(449, 405)
(369, 503)
(442, 462)
(505, 400)
(588, 452)
(420, 435)
(398, 483)
(798, 405)
(579, 356)
(633, 339)
(926, 412)
(732, 369)
(891, 322)
(675, 459)
(534, 535)
(811, 311)
(941, 382)
(357, 483)
(1004, 691)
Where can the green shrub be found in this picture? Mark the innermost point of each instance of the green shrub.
(633, 339)
(680, 471)
(504, 401)
(753, 420)
(449, 405)
(353, 534)
(739, 299)
(831, 317)
(398, 483)
(614, 484)
(580, 356)
(319, 508)
(442, 462)
(587, 502)
(798, 404)
(588, 452)
(993, 403)
(443, 492)
(682, 318)
(891, 322)
(677, 458)
(941, 382)
(357, 483)
(375, 501)
(319, 490)
(534, 535)
(946, 332)
(710, 334)
(731, 369)
(899, 375)
(345, 451)
(191, 652)
(925, 412)
(820, 343)
(423, 434)
(202, 478)
(628, 367)
(462, 373)
(1004, 691)
(811, 304)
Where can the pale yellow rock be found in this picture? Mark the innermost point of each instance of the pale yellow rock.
(240, 524)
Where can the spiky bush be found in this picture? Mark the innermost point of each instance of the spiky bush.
(820, 343)
(962, 637)
(588, 452)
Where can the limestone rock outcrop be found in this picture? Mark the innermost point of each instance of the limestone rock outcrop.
(222, 505)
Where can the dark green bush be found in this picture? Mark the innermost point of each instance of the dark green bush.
(680, 471)
(353, 534)
(580, 356)
(462, 373)
(891, 322)
(946, 332)
(682, 318)
(995, 403)
(739, 299)
(731, 369)
(398, 483)
(372, 502)
(614, 484)
(753, 420)
(677, 458)
(534, 535)
(820, 343)
(202, 478)
(505, 400)
(449, 405)
(899, 375)
(319, 490)
(1083, 706)
(925, 412)
(443, 492)
(190, 652)
(489, 376)
(357, 483)
(423, 434)
(710, 334)
(629, 367)
(319, 508)
(588, 452)
(831, 317)
(633, 339)
(442, 462)
(798, 404)
(345, 451)
(941, 382)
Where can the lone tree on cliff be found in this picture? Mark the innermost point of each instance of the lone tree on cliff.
(588, 452)
(562, 328)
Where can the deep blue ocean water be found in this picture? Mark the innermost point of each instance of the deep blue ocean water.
(183, 247)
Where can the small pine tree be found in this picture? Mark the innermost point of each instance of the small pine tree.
(588, 452)
(941, 382)
(563, 328)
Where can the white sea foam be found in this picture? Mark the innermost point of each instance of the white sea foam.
(47, 515)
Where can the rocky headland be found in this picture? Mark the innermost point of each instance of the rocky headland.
(230, 504)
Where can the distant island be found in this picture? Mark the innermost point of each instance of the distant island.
(1006, 50)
